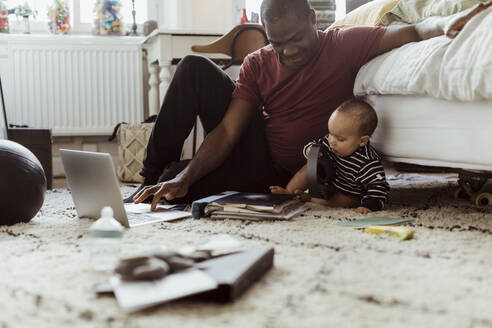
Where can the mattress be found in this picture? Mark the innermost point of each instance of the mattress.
(453, 69)
(434, 132)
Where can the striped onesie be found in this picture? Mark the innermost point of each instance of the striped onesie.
(361, 174)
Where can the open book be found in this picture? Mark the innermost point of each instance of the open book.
(248, 206)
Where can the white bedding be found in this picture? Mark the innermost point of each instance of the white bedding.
(434, 132)
(459, 69)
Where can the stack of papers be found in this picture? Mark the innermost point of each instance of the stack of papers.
(255, 206)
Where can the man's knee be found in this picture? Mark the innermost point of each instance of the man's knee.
(193, 64)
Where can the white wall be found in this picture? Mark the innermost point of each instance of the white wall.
(4, 66)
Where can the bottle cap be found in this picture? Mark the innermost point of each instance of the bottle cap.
(106, 226)
(107, 211)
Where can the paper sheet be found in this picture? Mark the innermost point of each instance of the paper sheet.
(137, 295)
(162, 212)
(145, 208)
(361, 223)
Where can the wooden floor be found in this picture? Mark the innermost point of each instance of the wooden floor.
(59, 183)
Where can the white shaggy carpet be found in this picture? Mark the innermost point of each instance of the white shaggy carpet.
(324, 275)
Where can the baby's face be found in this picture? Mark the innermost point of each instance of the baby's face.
(344, 137)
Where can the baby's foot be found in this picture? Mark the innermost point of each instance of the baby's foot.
(278, 190)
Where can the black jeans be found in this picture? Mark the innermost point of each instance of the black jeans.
(200, 88)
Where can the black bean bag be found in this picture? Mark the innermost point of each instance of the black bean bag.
(22, 183)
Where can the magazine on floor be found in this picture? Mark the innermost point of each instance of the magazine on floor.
(219, 279)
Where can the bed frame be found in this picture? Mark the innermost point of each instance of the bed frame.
(453, 136)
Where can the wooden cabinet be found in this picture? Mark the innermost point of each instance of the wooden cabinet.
(38, 141)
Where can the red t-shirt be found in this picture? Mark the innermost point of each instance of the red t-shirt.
(300, 101)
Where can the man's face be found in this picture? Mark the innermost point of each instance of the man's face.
(295, 40)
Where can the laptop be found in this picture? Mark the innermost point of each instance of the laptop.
(3, 116)
(92, 180)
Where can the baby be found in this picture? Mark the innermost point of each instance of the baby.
(359, 180)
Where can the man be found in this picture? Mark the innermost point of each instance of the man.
(284, 95)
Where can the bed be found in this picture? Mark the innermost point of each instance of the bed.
(434, 132)
(434, 103)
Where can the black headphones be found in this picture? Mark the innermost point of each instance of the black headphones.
(320, 173)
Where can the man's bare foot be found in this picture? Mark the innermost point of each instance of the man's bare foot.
(459, 21)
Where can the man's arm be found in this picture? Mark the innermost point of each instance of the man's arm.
(213, 151)
(219, 143)
(396, 36)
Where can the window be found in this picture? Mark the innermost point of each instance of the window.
(81, 15)
(87, 11)
(41, 6)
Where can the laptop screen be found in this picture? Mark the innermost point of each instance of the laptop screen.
(3, 115)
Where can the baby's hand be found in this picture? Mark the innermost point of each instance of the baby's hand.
(278, 190)
(362, 210)
(302, 196)
(308, 149)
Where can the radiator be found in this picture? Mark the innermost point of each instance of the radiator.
(75, 85)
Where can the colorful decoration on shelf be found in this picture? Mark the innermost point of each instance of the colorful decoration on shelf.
(255, 17)
(244, 17)
(4, 18)
(25, 12)
(107, 21)
(59, 18)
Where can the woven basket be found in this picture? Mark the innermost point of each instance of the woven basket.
(132, 139)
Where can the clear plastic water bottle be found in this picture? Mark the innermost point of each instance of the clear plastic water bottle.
(105, 244)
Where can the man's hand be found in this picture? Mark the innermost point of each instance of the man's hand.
(456, 24)
(171, 189)
(363, 210)
(396, 36)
